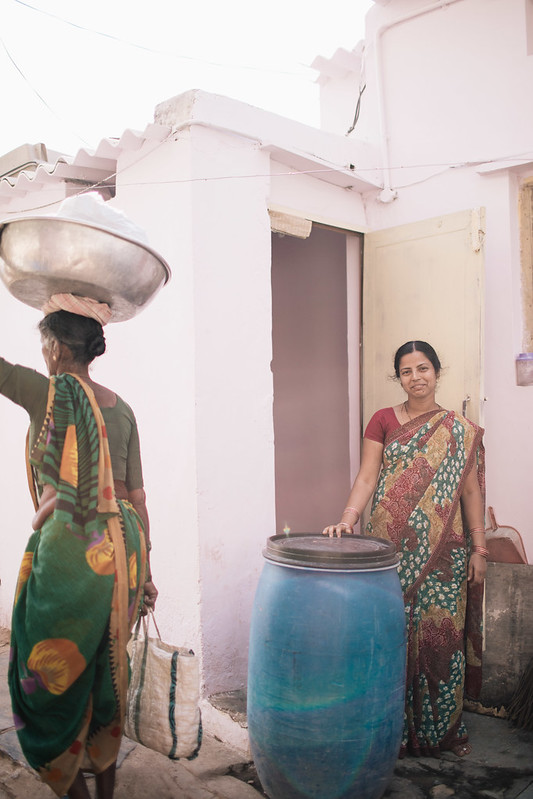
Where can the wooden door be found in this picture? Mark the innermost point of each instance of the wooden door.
(424, 281)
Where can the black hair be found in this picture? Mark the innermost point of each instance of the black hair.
(82, 335)
(417, 346)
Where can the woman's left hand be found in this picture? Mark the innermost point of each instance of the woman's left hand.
(150, 596)
(477, 569)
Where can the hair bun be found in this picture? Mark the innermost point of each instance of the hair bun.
(83, 335)
(96, 346)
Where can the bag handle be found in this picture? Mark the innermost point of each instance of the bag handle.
(146, 623)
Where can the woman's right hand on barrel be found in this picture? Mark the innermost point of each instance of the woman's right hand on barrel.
(337, 529)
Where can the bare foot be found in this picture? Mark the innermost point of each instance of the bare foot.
(461, 749)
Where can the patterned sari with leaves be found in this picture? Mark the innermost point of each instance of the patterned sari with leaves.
(78, 595)
(417, 506)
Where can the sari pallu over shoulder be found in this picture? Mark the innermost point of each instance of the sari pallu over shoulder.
(78, 594)
(417, 506)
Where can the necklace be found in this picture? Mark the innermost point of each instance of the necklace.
(407, 412)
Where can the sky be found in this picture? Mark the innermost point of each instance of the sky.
(76, 72)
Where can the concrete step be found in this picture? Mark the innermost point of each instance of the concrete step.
(224, 715)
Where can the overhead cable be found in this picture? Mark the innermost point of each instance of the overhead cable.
(156, 51)
(38, 94)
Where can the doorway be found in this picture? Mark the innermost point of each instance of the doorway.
(315, 339)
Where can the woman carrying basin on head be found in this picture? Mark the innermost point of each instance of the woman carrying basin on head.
(85, 573)
(424, 466)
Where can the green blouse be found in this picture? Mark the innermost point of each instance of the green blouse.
(29, 389)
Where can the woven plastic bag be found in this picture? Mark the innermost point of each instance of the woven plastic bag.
(163, 697)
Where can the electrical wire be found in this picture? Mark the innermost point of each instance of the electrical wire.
(38, 94)
(355, 171)
(105, 182)
(357, 111)
(117, 39)
(362, 87)
(100, 184)
(156, 51)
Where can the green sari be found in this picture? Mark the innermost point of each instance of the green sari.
(79, 592)
(417, 506)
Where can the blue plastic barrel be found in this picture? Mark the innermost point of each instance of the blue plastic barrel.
(326, 677)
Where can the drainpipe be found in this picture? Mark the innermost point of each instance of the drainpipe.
(388, 194)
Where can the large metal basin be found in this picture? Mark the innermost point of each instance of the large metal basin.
(44, 256)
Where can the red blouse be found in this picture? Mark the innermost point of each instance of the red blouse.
(381, 424)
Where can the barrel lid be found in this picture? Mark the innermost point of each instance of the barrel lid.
(349, 552)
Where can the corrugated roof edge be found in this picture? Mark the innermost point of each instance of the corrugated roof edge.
(86, 165)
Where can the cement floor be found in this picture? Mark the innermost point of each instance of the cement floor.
(499, 767)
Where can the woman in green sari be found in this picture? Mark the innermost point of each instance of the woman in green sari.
(424, 467)
(85, 573)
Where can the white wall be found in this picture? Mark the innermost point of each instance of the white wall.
(199, 379)
(453, 72)
(317, 200)
(455, 82)
(234, 441)
(151, 363)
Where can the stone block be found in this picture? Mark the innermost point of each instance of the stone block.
(508, 630)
